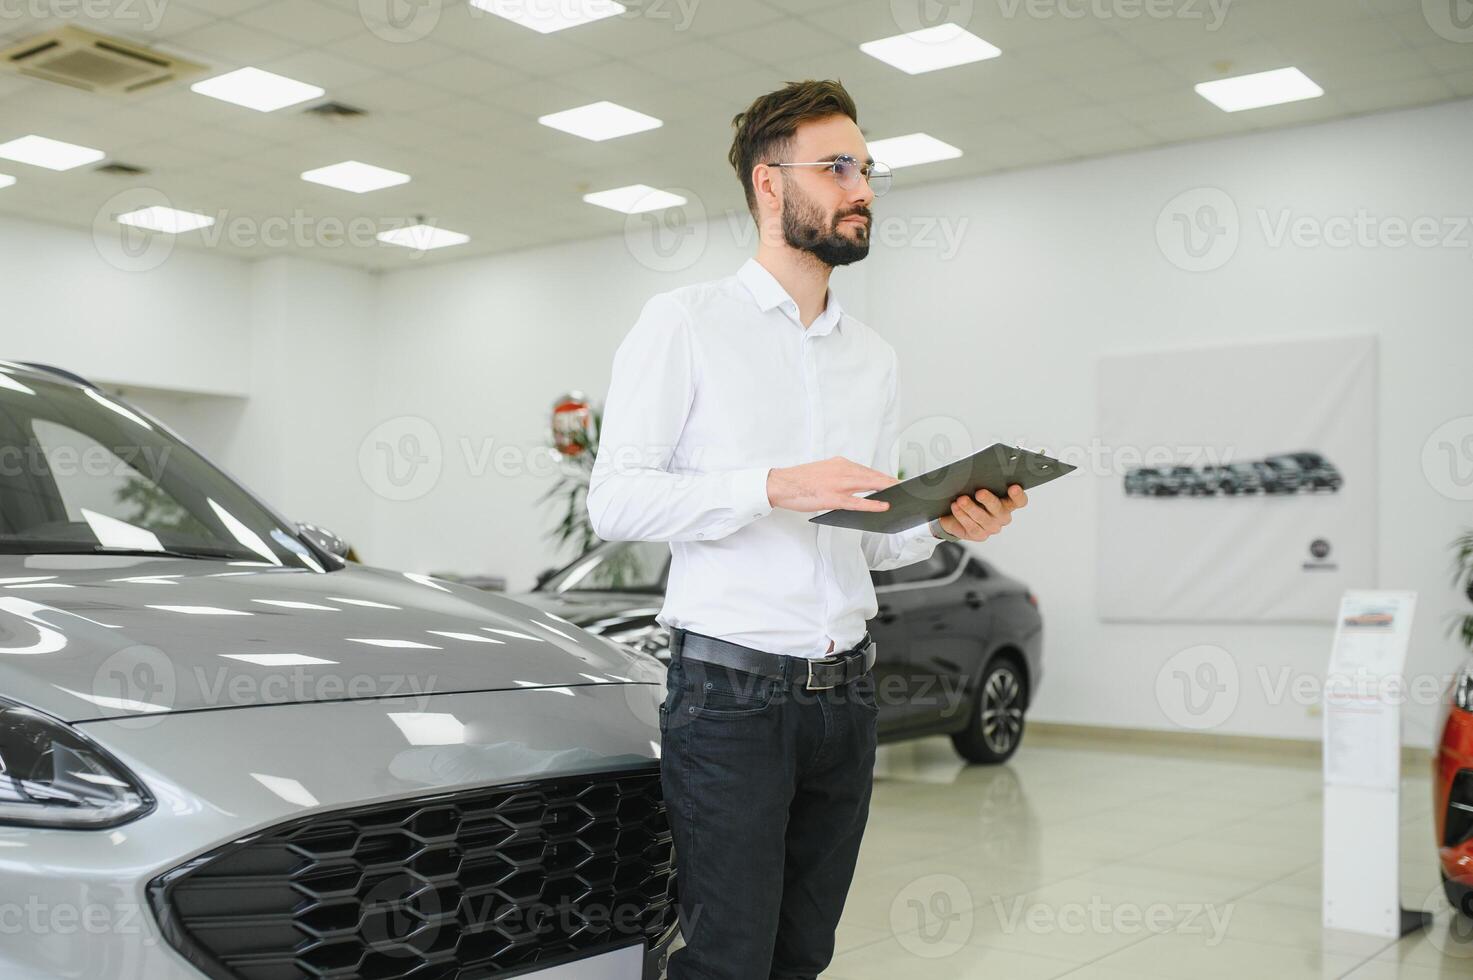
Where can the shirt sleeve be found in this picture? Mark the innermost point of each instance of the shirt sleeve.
(632, 493)
(883, 551)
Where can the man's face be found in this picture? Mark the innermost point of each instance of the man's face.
(830, 222)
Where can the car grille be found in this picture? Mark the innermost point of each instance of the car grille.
(452, 887)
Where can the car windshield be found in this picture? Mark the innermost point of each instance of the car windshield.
(621, 566)
(81, 472)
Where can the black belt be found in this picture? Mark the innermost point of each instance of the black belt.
(816, 675)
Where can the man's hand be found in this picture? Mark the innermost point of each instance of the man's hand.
(829, 484)
(980, 519)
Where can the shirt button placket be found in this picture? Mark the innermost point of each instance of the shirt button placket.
(816, 450)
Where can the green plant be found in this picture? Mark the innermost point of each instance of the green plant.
(571, 487)
(1463, 580)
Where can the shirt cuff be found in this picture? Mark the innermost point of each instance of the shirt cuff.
(934, 530)
(750, 493)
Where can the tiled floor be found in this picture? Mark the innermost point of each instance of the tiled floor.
(1103, 864)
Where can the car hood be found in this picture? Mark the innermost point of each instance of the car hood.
(84, 637)
(597, 612)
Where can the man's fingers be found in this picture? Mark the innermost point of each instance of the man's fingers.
(865, 478)
(846, 502)
(971, 528)
(992, 505)
(984, 518)
(1018, 496)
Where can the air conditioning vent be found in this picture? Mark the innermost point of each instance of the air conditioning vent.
(95, 63)
(334, 111)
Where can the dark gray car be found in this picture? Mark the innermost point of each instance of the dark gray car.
(959, 643)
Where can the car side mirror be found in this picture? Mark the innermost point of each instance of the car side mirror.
(322, 538)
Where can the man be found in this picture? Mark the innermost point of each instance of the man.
(736, 409)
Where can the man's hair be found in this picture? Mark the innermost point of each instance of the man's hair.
(766, 128)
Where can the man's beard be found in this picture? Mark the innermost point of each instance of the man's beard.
(806, 229)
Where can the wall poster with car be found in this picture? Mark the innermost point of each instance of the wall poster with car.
(1238, 482)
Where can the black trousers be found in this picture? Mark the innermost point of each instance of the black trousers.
(768, 791)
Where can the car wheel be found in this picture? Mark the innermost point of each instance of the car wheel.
(1459, 896)
(996, 726)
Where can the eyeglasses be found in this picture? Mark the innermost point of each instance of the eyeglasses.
(848, 171)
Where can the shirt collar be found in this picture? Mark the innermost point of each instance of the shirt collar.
(770, 294)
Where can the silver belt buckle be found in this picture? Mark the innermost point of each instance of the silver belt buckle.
(810, 686)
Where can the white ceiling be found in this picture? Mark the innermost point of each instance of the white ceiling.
(457, 108)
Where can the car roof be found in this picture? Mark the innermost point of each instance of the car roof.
(45, 372)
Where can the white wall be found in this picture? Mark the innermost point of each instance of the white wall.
(999, 292)
(1061, 265)
(264, 366)
(472, 356)
(182, 324)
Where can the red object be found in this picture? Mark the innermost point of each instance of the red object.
(572, 423)
(1449, 793)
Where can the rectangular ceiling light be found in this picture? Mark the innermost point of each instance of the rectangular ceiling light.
(39, 151)
(422, 238)
(360, 178)
(547, 16)
(942, 46)
(1259, 89)
(6, 180)
(600, 121)
(634, 199)
(253, 88)
(910, 150)
(169, 220)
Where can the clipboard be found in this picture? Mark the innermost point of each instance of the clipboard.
(923, 498)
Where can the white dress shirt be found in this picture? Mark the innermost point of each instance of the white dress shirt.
(716, 384)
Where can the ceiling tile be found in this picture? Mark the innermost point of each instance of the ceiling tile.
(225, 45)
(305, 22)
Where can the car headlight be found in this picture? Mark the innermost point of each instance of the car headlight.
(1463, 689)
(51, 775)
(652, 639)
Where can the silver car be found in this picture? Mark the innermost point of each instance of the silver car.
(227, 752)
